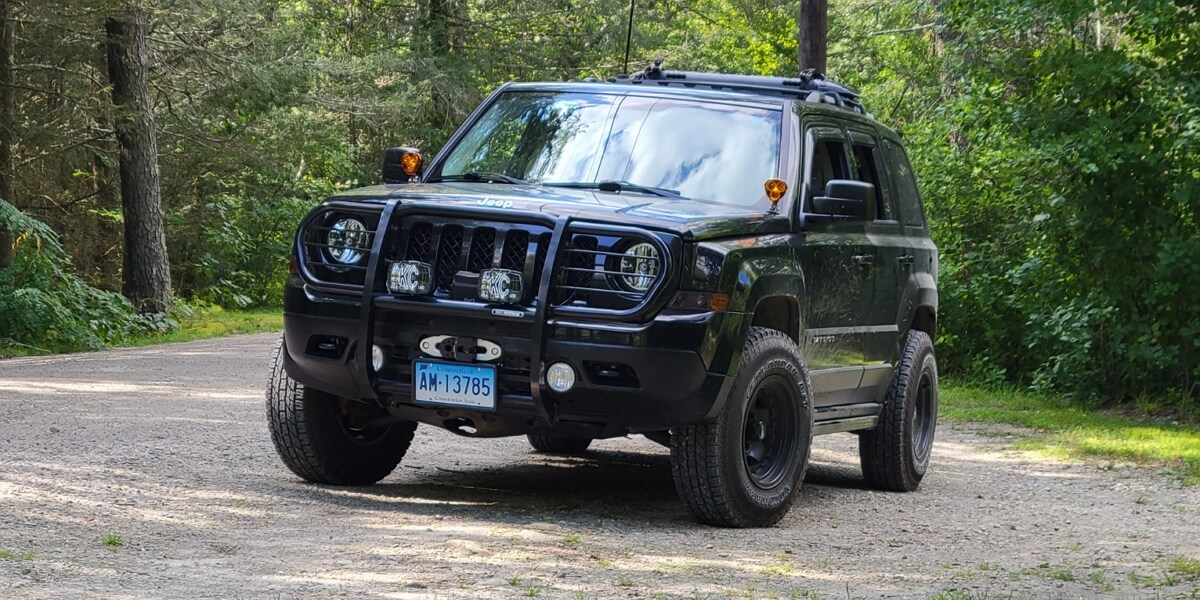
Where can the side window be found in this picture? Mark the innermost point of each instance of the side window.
(866, 170)
(828, 162)
(908, 200)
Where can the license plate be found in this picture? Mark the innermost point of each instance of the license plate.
(472, 386)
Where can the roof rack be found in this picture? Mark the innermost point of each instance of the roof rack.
(811, 86)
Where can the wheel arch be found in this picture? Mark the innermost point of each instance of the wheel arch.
(925, 319)
(779, 312)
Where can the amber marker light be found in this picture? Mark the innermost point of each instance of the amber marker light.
(703, 301)
(411, 163)
(775, 188)
(718, 302)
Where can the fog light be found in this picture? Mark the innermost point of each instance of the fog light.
(410, 277)
(561, 377)
(500, 285)
(376, 358)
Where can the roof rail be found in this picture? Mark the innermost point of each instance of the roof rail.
(811, 86)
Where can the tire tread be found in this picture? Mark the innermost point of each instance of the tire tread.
(696, 459)
(882, 451)
(307, 454)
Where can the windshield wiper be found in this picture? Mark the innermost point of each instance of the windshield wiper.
(484, 177)
(617, 186)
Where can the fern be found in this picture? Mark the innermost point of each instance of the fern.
(44, 305)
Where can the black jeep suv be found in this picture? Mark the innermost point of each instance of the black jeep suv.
(726, 264)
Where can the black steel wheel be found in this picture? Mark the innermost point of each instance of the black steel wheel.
(895, 454)
(745, 468)
(768, 438)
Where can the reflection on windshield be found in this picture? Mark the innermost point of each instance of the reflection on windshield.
(705, 151)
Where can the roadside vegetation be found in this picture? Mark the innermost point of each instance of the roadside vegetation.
(1147, 434)
(188, 323)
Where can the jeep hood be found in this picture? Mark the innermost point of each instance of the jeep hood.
(688, 218)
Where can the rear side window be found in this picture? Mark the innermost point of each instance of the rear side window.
(908, 200)
(867, 171)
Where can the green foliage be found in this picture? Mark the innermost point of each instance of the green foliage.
(43, 305)
(1073, 245)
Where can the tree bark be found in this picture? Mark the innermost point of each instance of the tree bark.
(814, 24)
(7, 133)
(147, 272)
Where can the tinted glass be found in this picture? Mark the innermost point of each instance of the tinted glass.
(704, 151)
(865, 170)
(828, 162)
(908, 200)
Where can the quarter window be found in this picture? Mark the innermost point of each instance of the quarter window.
(908, 200)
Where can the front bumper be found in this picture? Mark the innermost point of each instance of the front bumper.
(664, 380)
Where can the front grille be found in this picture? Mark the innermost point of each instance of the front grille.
(326, 237)
(458, 248)
(449, 251)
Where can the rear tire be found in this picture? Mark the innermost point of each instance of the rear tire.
(745, 468)
(555, 444)
(313, 433)
(895, 454)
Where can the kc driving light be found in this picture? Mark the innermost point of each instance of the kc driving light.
(560, 377)
(639, 267)
(502, 286)
(346, 241)
(410, 277)
(376, 358)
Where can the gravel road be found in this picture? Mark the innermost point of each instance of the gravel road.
(167, 448)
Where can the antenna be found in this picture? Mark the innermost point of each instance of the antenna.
(628, 36)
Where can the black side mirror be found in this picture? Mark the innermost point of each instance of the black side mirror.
(402, 165)
(844, 200)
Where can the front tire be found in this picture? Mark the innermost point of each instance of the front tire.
(557, 444)
(745, 468)
(895, 454)
(315, 434)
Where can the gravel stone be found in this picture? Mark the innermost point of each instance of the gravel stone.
(167, 447)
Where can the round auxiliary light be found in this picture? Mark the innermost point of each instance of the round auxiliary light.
(346, 241)
(640, 266)
(376, 358)
(560, 377)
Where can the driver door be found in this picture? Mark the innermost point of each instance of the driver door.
(836, 260)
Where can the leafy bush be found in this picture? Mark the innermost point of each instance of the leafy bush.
(44, 305)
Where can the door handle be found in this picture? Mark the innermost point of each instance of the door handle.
(906, 261)
(864, 260)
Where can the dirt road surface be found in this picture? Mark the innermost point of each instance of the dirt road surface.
(163, 453)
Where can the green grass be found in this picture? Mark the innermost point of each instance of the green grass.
(1185, 566)
(112, 541)
(216, 322)
(200, 324)
(1069, 431)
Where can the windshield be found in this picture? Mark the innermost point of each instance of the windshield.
(701, 150)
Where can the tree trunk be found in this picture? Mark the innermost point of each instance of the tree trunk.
(7, 133)
(814, 23)
(147, 272)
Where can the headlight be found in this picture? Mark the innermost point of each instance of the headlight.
(346, 241)
(640, 267)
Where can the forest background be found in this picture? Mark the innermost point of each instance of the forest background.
(1057, 144)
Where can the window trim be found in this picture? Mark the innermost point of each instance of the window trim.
(884, 192)
(813, 134)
